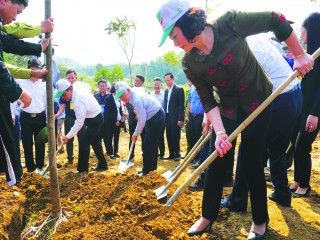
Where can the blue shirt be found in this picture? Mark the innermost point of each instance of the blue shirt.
(194, 100)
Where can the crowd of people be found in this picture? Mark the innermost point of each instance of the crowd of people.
(230, 74)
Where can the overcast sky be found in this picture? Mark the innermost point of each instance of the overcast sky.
(79, 25)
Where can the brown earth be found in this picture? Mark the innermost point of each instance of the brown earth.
(107, 205)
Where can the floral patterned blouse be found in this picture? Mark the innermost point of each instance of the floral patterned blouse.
(230, 76)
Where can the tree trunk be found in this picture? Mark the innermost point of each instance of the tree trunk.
(54, 184)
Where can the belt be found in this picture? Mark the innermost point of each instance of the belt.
(196, 115)
(33, 115)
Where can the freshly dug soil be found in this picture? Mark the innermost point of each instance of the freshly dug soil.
(107, 205)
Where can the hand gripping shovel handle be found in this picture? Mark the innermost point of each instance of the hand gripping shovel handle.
(215, 154)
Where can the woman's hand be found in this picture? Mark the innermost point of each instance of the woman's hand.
(311, 123)
(222, 144)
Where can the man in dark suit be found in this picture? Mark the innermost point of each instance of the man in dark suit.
(174, 109)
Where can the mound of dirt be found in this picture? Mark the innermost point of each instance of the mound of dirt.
(107, 205)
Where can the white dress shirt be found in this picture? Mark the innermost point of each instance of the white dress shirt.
(38, 92)
(85, 106)
(159, 97)
(169, 95)
(272, 61)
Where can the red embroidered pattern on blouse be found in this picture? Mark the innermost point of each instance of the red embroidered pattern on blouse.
(254, 106)
(227, 59)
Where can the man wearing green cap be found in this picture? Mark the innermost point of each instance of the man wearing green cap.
(88, 112)
(151, 119)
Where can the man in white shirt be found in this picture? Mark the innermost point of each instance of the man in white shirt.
(151, 119)
(33, 118)
(88, 112)
(159, 95)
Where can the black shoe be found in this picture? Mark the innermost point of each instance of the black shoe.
(256, 236)
(225, 203)
(284, 201)
(177, 159)
(196, 186)
(99, 168)
(111, 156)
(142, 173)
(169, 157)
(196, 164)
(161, 157)
(58, 164)
(70, 162)
(194, 232)
(299, 195)
(116, 155)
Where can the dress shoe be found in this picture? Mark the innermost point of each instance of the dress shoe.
(161, 157)
(282, 200)
(58, 164)
(169, 157)
(196, 164)
(299, 195)
(196, 186)
(99, 168)
(70, 162)
(111, 156)
(116, 155)
(194, 232)
(256, 236)
(225, 203)
(142, 173)
(177, 159)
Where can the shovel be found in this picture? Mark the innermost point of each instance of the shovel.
(43, 172)
(215, 154)
(162, 191)
(125, 164)
(42, 136)
(169, 174)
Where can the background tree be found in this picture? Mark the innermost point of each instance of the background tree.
(112, 75)
(125, 31)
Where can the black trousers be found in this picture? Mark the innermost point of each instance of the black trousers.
(91, 137)
(253, 142)
(150, 142)
(302, 153)
(116, 135)
(285, 111)
(31, 125)
(161, 142)
(173, 133)
(132, 128)
(195, 129)
(68, 124)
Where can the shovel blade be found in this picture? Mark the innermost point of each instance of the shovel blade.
(152, 215)
(161, 193)
(124, 165)
(167, 174)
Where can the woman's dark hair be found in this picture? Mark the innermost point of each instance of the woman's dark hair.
(312, 24)
(192, 23)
